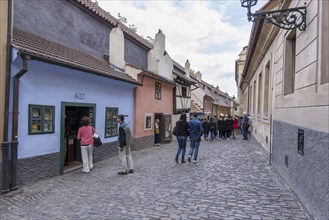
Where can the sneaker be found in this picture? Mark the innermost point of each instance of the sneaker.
(183, 161)
(122, 173)
(189, 159)
(131, 171)
(194, 161)
(86, 172)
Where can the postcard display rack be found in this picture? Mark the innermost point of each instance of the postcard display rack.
(71, 130)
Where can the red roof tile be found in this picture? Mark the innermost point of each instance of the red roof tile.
(49, 51)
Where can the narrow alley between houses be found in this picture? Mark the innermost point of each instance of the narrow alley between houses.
(232, 180)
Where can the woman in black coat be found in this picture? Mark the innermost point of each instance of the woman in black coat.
(206, 128)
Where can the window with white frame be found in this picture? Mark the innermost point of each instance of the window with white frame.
(158, 93)
(254, 99)
(266, 89)
(148, 122)
(260, 92)
(290, 64)
(325, 43)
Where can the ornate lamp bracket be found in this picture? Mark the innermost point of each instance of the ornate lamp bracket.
(288, 19)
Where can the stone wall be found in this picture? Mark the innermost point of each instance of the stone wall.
(35, 168)
(308, 174)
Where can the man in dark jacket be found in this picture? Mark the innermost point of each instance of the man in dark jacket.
(125, 142)
(206, 128)
(245, 126)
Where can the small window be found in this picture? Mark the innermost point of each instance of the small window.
(184, 91)
(158, 90)
(111, 125)
(41, 119)
(148, 122)
(290, 63)
(324, 44)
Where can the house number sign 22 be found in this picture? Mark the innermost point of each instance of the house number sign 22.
(79, 96)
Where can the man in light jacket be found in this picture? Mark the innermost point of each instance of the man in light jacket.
(125, 142)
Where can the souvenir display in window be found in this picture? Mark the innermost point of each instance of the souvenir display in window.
(41, 119)
(111, 125)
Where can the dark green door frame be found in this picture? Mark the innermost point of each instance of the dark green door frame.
(63, 106)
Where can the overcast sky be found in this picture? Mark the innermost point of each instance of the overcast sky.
(210, 34)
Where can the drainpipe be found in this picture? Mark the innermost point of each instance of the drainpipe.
(5, 143)
(14, 143)
(271, 133)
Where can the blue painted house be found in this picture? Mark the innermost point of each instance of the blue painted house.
(60, 72)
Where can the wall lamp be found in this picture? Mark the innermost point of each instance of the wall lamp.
(286, 18)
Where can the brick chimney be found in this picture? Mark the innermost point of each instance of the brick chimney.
(187, 68)
(156, 54)
(117, 49)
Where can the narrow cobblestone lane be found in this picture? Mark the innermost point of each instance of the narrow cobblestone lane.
(232, 180)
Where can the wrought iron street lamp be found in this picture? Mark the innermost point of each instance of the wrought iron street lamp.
(286, 18)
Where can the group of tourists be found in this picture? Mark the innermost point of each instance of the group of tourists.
(221, 129)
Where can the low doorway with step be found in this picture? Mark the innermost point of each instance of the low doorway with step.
(71, 122)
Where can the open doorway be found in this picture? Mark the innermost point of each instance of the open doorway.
(71, 122)
(165, 127)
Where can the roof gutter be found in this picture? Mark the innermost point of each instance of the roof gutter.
(5, 144)
(251, 48)
(34, 57)
(158, 79)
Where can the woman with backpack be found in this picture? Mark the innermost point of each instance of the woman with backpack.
(183, 128)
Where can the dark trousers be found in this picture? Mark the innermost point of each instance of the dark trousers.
(245, 131)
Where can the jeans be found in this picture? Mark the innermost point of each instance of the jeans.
(245, 132)
(212, 134)
(156, 138)
(181, 146)
(206, 134)
(194, 148)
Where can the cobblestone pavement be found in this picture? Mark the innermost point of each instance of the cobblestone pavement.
(231, 180)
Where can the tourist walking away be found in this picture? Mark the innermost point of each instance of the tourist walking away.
(245, 126)
(249, 127)
(196, 132)
(228, 127)
(125, 142)
(206, 128)
(235, 126)
(157, 132)
(85, 136)
(212, 126)
(221, 127)
(240, 124)
(183, 128)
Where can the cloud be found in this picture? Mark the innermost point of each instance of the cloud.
(210, 34)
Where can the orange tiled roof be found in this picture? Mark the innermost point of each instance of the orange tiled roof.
(49, 51)
(94, 8)
(195, 107)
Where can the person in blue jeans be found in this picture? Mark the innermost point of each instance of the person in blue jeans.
(183, 128)
(196, 132)
(245, 126)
